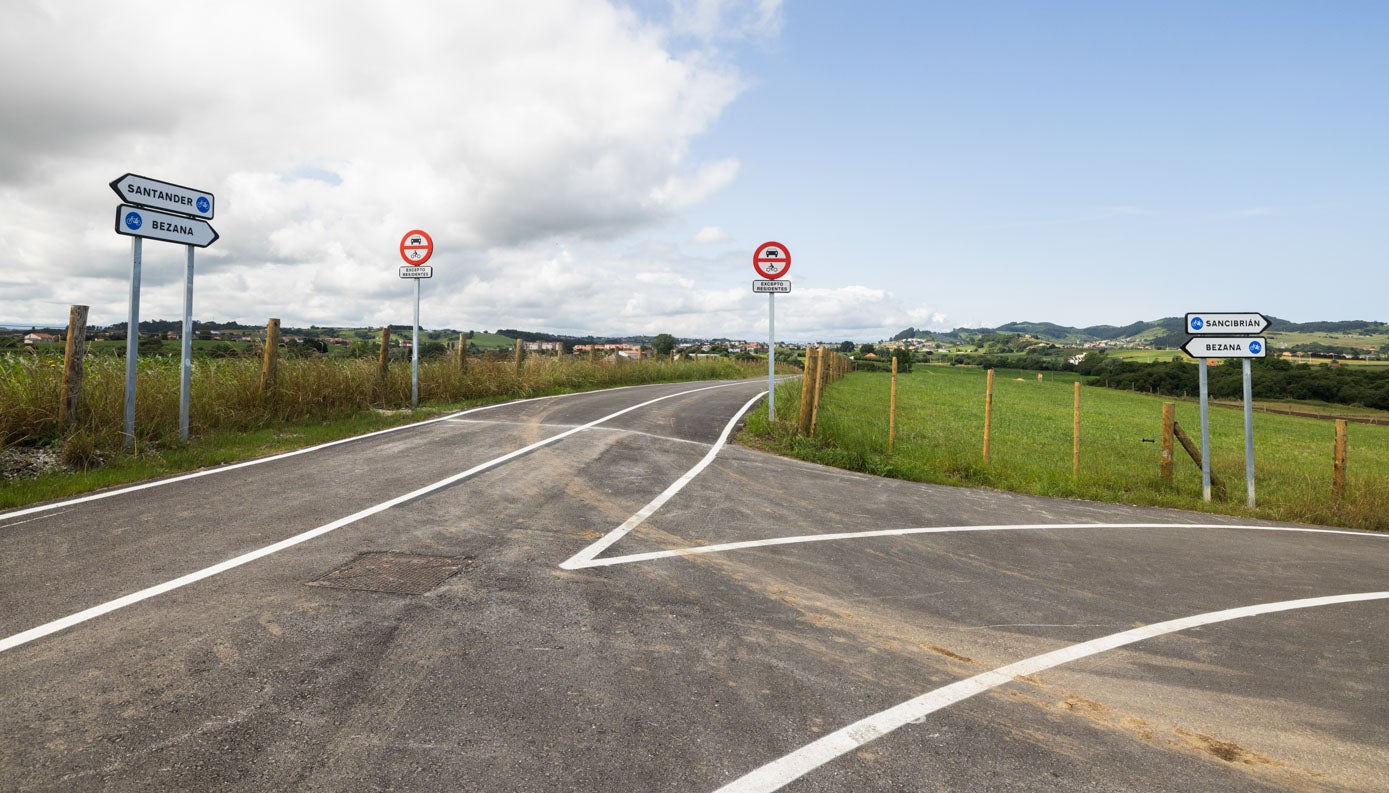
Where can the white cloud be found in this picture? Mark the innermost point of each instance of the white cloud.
(711, 234)
(327, 129)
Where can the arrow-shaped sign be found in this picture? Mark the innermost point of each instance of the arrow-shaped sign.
(1226, 347)
(1225, 324)
(152, 224)
(146, 192)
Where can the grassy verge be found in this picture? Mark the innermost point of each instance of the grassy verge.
(313, 401)
(940, 439)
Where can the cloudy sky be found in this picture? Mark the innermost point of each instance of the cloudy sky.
(587, 166)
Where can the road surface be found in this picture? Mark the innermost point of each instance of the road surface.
(606, 597)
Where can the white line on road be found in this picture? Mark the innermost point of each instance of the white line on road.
(234, 466)
(18, 639)
(584, 558)
(778, 773)
(859, 535)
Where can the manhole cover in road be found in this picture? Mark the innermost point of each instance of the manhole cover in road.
(398, 573)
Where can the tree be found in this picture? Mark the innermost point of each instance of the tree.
(846, 346)
(866, 349)
(903, 357)
(663, 344)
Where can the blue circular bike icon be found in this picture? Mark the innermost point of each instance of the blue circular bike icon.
(203, 204)
(133, 221)
(1197, 323)
(1255, 348)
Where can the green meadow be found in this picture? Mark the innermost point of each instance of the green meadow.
(940, 439)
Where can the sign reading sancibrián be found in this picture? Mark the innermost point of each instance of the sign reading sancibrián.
(1226, 324)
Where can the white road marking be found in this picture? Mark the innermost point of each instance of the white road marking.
(584, 558)
(234, 466)
(40, 631)
(778, 773)
(859, 535)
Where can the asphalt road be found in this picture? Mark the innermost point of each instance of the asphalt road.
(597, 634)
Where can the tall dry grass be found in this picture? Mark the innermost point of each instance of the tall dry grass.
(227, 395)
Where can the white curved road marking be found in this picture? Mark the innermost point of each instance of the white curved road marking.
(778, 773)
(40, 631)
(859, 535)
(584, 558)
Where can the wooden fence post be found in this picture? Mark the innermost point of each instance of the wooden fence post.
(1075, 433)
(1169, 419)
(517, 354)
(821, 373)
(1338, 461)
(270, 359)
(988, 413)
(1195, 453)
(807, 388)
(462, 351)
(383, 364)
(74, 353)
(892, 408)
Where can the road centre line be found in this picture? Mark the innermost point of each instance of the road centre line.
(778, 773)
(71, 620)
(5, 516)
(584, 558)
(858, 535)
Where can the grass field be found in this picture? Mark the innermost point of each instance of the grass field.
(940, 429)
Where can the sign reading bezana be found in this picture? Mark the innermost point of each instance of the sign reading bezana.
(1226, 347)
(155, 225)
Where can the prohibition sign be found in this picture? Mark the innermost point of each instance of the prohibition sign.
(771, 260)
(416, 247)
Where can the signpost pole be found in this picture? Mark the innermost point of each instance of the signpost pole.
(1205, 434)
(132, 341)
(186, 377)
(771, 357)
(1248, 431)
(415, 353)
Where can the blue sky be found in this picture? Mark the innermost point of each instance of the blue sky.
(586, 167)
(1073, 162)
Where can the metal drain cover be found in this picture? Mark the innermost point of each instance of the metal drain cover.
(397, 573)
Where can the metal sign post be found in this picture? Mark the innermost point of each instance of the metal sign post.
(132, 341)
(415, 249)
(186, 340)
(771, 260)
(1206, 343)
(172, 213)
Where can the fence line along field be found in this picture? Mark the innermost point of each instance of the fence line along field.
(940, 435)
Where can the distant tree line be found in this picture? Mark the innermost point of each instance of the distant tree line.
(1270, 378)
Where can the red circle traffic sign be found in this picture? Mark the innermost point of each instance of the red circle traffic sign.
(416, 247)
(771, 260)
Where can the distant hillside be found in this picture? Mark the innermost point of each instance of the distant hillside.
(1170, 332)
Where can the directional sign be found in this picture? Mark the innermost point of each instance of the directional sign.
(1224, 324)
(771, 260)
(152, 224)
(415, 248)
(411, 271)
(772, 287)
(146, 192)
(1226, 347)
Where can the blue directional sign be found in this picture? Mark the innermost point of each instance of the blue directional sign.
(146, 192)
(1227, 324)
(1226, 347)
(153, 224)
